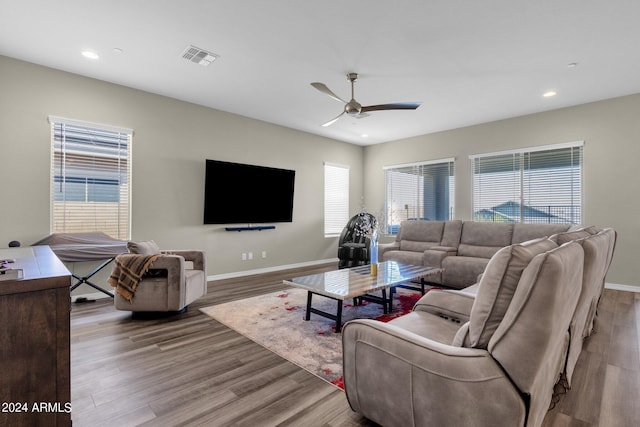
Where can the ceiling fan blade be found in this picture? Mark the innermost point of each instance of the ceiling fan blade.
(324, 89)
(396, 106)
(332, 121)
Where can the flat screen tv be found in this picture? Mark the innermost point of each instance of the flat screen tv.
(237, 193)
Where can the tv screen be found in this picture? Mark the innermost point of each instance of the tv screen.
(238, 193)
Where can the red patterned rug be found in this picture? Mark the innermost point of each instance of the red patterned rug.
(276, 321)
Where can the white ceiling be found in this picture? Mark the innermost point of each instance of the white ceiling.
(467, 61)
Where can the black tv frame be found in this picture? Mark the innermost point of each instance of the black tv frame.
(253, 194)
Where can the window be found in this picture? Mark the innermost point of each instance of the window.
(90, 178)
(537, 185)
(336, 199)
(419, 191)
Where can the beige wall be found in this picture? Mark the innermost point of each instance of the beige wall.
(171, 141)
(610, 130)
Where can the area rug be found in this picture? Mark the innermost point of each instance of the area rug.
(276, 321)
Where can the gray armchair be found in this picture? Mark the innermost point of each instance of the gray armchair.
(173, 281)
(495, 364)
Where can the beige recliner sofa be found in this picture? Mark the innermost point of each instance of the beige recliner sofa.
(498, 368)
(461, 248)
(477, 317)
(598, 246)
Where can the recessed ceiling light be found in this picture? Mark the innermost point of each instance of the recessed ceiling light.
(90, 54)
(117, 50)
(549, 93)
(364, 135)
(572, 64)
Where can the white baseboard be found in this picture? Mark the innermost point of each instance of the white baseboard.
(627, 288)
(268, 269)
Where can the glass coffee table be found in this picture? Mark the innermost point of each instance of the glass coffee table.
(359, 283)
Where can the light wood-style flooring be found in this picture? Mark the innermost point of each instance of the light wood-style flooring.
(189, 370)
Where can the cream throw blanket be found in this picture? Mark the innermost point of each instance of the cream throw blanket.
(128, 271)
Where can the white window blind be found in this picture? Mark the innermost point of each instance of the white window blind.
(90, 178)
(419, 191)
(537, 185)
(336, 198)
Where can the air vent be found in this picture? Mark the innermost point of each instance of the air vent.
(199, 56)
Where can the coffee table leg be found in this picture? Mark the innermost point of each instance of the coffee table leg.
(391, 292)
(386, 304)
(339, 317)
(307, 315)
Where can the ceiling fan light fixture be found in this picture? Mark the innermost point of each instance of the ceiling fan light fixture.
(352, 108)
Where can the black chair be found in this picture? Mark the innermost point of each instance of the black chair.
(355, 240)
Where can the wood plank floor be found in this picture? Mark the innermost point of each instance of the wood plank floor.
(189, 369)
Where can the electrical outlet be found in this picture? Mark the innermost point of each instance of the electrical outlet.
(244, 256)
(264, 254)
(250, 255)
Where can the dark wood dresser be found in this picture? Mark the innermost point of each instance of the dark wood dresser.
(34, 340)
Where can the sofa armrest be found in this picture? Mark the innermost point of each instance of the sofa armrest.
(395, 377)
(434, 256)
(446, 303)
(174, 264)
(194, 256)
(384, 247)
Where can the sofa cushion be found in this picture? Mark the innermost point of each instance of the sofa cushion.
(569, 236)
(483, 239)
(486, 233)
(497, 286)
(478, 251)
(143, 248)
(451, 233)
(421, 231)
(524, 232)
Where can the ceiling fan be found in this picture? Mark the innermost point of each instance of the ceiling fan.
(354, 108)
